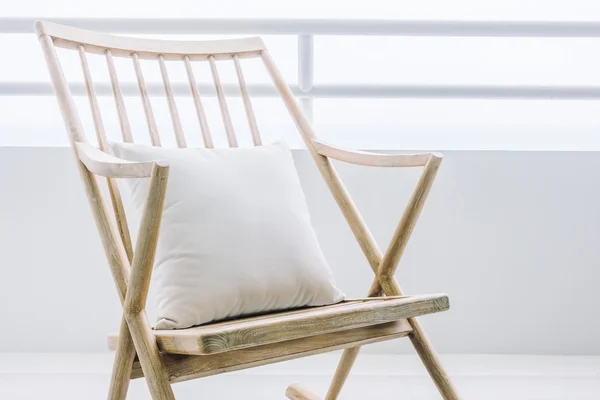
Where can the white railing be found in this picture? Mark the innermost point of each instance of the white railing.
(305, 30)
(318, 27)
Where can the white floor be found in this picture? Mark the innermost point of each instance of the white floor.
(477, 377)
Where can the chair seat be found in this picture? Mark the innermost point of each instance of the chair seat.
(289, 325)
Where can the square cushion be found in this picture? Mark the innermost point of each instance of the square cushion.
(235, 237)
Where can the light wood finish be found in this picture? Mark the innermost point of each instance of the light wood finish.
(231, 139)
(114, 247)
(181, 368)
(247, 103)
(149, 49)
(279, 327)
(149, 356)
(103, 164)
(370, 159)
(139, 282)
(247, 342)
(342, 372)
(119, 101)
(123, 364)
(113, 189)
(150, 121)
(385, 283)
(361, 232)
(389, 263)
(145, 249)
(120, 216)
(384, 298)
(297, 392)
(208, 142)
(172, 105)
(431, 361)
(89, 86)
(338, 190)
(61, 88)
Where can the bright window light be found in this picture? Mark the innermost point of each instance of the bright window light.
(345, 63)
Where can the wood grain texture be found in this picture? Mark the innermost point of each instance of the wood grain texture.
(150, 121)
(149, 357)
(249, 332)
(399, 241)
(119, 101)
(66, 104)
(139, 282)
(247, 103)
(123, 364)
(385, 283)
(122, 46)
(177, 129)
(103, 164)
(231, 139)
(145, 248)
(181, 368)
(205, 129)
(358, 227)
(93, 100)
(432, 362)
(384, 298)
(334, 183)
(298, 392)
(120, 216)
(248, 342)
(342, 372)
(113, 189)
(113, 246)
(370, 159)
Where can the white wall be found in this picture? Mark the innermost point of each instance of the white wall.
(511, 236)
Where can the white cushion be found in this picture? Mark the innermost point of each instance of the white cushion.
(235, 237)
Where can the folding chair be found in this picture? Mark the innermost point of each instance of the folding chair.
(164, 357)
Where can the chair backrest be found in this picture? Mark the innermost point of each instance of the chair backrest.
(184, 52)
(115, 231)
(52, 35)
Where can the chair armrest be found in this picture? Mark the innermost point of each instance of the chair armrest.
(103, 164)
(373, 159)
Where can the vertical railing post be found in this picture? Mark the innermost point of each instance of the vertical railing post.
(306, 73)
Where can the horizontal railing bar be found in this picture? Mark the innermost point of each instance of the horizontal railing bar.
(329, 91)
(317, 27)
(458, 91)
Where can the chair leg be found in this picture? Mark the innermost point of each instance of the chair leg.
(431, 361)
(297, 392)
(149, 356)
(424, 350)
(342, 372)
(121, 372)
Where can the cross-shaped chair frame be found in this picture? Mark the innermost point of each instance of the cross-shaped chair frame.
(140, 351)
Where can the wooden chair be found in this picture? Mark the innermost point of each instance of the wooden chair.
(166, 357)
